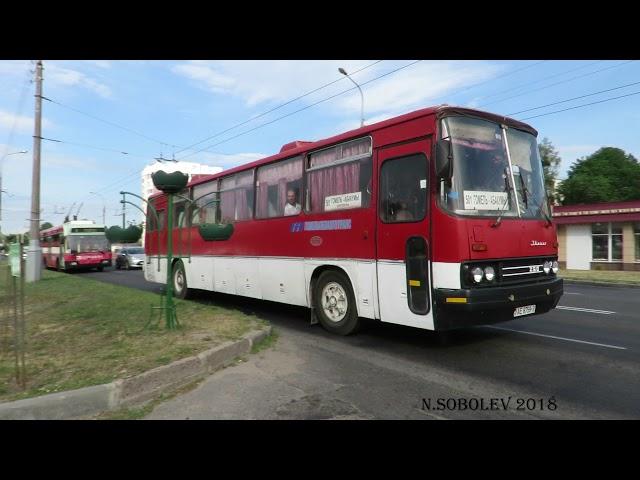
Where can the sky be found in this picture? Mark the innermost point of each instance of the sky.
(115, 117)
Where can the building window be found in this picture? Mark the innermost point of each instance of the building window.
(616, 241)
(606, 242)
(636, 236)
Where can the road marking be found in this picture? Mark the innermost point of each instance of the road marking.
(573, 293)
(557, 338)
(588, 310)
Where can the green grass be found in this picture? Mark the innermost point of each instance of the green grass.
(267, 342)
(602, 276)
(82, 332)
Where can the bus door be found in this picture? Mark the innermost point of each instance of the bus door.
(402, 238)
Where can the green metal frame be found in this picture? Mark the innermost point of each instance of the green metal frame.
(166, 300)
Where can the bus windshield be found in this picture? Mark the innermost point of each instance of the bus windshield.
(482, 182)
(87, 243)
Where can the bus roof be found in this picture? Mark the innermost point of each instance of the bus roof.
(293, 148)
(70, 224)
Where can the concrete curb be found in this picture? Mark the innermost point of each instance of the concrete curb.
(600, 284)
(130, 391)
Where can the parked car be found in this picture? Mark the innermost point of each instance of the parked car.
(128, 258)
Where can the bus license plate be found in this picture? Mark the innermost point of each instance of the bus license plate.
(526, 310)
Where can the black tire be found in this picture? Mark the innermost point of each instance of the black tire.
(126, 265)
(179, 278)
(345, 321)
(117, 265)
(100, 268)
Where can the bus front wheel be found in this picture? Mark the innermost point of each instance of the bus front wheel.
(180, 288)
(335, 303)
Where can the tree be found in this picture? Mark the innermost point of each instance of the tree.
(550, 164)
(608, 175)
(45, 225)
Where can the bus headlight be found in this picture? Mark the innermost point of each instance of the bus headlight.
(477, 273)
(555, 267)
(546, 267)
(489, 273)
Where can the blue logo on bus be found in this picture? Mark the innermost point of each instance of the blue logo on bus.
(321, 225)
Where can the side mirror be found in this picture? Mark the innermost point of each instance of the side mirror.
(444, 155)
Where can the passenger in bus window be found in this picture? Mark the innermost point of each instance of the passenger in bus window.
(292, 207)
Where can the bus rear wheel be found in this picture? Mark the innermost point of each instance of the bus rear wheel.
(180, 288)
(335, 303)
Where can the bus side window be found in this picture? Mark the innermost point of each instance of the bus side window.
(151, 218)
(161, 217)
(273, 183)
(339, 174)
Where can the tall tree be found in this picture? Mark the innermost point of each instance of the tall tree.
(45, 225)
(608, 175)
(551, 164)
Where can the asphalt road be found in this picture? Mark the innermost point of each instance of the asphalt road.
(581, 361)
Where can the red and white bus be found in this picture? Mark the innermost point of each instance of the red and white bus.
(436, 219)
(75, 245)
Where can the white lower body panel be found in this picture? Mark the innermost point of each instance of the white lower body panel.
(288, 280)
(392, 291)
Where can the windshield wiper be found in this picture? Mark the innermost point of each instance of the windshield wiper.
(546, 215)
(507, 189)
(525, 196)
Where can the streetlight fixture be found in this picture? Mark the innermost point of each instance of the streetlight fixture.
(344, 72)
(103, 206)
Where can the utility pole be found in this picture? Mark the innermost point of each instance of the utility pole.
(123, 211)
(34, 252)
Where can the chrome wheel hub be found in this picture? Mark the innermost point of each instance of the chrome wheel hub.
(179, 281)
(334, 302)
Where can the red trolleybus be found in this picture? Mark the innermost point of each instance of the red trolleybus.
(437, 219)
(74, 245)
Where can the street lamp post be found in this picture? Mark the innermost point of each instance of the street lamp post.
(1, 165)
(104, 222)
(344, 72)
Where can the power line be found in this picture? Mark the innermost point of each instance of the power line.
(94, 147)
(498, 77)
(137, 171)
(557, 83)
(541, 80)
(113, 124)
(20, 107)
(299, 110)
(275, 108)
(584, 105)
(574, 98)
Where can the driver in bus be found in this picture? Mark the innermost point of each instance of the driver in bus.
(292, 207)
(491, 173)
(402, 212)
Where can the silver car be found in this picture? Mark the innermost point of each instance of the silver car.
(131, 257)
